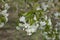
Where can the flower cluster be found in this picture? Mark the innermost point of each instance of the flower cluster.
(57, 15)
(4, 15)
(38, 19)
(29, 21)
(26, 26)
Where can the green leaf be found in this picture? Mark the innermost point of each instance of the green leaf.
(21, 13)
(32, 0)
(3, 19)
(47, 28)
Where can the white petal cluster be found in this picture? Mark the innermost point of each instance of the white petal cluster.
(35, 17)
(31, 29)
(38, 8)
(57, 24)
(49, 31)
(5, 14)
(45, 25)
(46, 21)
(7, 6)
(49, 22)
(46, 17)
(44, 6)
(27, 27)
(42, 23)
(22, 19)
(56, 15)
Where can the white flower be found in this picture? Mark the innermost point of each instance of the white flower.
(1, 25)
(56, 14)
(6, 19)
(38, 8)
(6, 6)
(44, 6)
(26, 25)
(45, 17)
(5, 14)
(49, 20)
(22, 19)
(4, 11)
(58, 24)
(42, 23)
(31, 28)
(37, 25)
(28, 30)
(35, 17)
